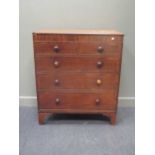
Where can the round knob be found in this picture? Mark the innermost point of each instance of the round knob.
(100, 49)
(56, 48)
(57, 101)
(98, 82)
(56, 82)
(56, 63)
(98, 101)
(99, 64)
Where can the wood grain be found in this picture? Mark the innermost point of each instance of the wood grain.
(76, 48)
(77, 63)
(77, 71)
(74, 80)
(47, 99)
(41, 37)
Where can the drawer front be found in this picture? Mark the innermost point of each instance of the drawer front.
(58, 48)
(108, 39)
(97, 64)
(102, 101)
(77, 81)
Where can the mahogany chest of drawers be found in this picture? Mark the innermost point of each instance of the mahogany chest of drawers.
(77, 71)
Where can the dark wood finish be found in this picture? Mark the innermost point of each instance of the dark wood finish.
(55, 48)
(49, 99)
(113, 118)
(42, 117)
(78, 63)
(77, 72)
(77, 80)
(107, 39)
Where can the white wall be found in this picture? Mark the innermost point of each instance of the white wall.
(106, 14)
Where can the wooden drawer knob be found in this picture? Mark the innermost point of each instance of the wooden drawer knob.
(100, 49)
(56, 63)
(98, 101)
(56, 48)
(57, 101)
(99, 82)
(99, 64)
(56, 82)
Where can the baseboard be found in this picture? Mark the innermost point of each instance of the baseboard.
(32, 101)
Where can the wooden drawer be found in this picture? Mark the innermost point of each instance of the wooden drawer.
(75, 80)
(54, 48)
(97, 64)
(108, 39)
(102, 101)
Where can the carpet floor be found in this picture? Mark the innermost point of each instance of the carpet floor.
(76, 134)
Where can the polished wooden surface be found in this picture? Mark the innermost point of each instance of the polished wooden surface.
(78, 63)
(106, 39)
(77, 100)
(58, 48)
(78, 31)
(77, 71)
(76, 80)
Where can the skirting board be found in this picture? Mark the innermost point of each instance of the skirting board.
(32, 101)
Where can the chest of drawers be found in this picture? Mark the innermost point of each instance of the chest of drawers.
(77, 71)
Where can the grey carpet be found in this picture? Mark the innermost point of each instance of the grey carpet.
(76, 135)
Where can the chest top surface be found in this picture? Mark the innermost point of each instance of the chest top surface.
(79, 31)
